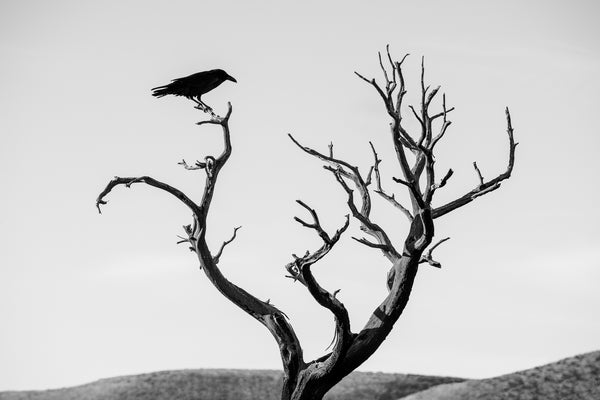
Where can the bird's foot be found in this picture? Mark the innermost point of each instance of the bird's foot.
(206, 109)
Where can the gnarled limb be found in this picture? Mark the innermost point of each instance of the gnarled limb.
(484, 187)
(405, 265)
(267, 314)
(150, 182)
(341, 170)
(300, 270)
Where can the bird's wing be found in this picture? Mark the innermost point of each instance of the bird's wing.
(194, 85)
(193, 77)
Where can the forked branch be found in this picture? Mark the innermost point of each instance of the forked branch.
(390, 198)
(484, 187)
(267, 314)
(428, 257)
(300, 270)
(343, 170)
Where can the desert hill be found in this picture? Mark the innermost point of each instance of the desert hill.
(574, 378)
(208, 384)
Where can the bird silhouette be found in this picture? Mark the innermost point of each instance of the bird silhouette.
(194, 86)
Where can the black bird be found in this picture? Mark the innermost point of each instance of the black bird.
(194, 86)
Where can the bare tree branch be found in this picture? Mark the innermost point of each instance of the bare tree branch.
(428, 257)
(371, 244)
(368, 226)
(400, 136)
(128, 181)
(385, 74)
(418, 117)
(267, 314)
(440, 135)
(316, 225)
(341, 169)
(389, 56)
(335, 162)
(478, 173)
(486, 186)
(375, 85)
(390, 198)
(197, 165)
(411, 187)
(443, 181)
(225, 243)
(300, 270)
(295, 268)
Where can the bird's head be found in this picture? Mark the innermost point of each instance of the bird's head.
(230, 78)
(226, 77)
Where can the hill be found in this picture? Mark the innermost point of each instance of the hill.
(574, 378)
(208, 384)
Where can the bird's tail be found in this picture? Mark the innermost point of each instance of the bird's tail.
(160, 91)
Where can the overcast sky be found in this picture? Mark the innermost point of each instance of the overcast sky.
(86, 296)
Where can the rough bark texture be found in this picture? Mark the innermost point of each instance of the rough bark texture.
(305, 380)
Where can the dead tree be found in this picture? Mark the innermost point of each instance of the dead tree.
(303, 379)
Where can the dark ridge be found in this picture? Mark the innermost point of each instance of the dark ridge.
(574, 378)
(222, 384)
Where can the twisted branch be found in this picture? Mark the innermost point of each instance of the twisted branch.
(300, 270)
(342, 169)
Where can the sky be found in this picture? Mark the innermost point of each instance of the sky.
(85, 296)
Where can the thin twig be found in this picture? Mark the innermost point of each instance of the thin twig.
(428, 257)
(478, 173)
(225, 243)
(197, 165)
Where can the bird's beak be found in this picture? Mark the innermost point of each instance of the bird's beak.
(231, 78)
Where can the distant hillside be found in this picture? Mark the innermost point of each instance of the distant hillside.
(575, 378)
(229, 385)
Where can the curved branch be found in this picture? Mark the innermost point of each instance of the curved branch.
(316, 225)
(383, 318)
(390, 198)
(213, 165)
(428, 257)
(295, 268)
(267, 314)
(341, 169)
(484, 186)
(149, 181)
(368, 226)
(343, 334)
(300, 270)
(336, 162)
(225, 243)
